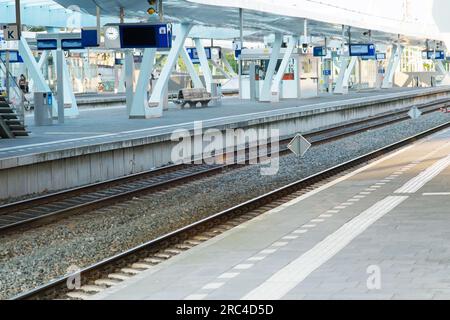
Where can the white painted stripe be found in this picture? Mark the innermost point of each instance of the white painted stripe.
(317, 220)
(196, 297)
(301, 231)
(436, 194)
(243, 266)
(286, 279)
(254, 259)
(325, 215)
(268, 251)
(290, 237)
(346, 177)
(280, 244)
(213, 286)
(229, 275)
(415, 184)
(309, 226)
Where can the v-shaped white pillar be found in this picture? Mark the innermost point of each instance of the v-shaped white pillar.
(228, 66)
(267, 85)
(40, 85)
(204, 63)
(346, 69)
(139, 106)
(156, 102)
(69, 96)
(190, 67)
(441, 69)
(394, 61)
(284, 64)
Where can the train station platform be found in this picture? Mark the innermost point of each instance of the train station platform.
(380, 232)
(109, 125)
(103, 144)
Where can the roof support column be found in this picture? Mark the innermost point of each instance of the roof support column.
(129, 83)
(346, 69)
(157, 99)
(441, 69)
(42, 59)
(204, 63)
(227, 65)
(394, 61)
(69, 96)
(220, 69)
(190, 67)
(284, 64)
(241, 40)
(34, 70)
(267, 85)
(139, 105)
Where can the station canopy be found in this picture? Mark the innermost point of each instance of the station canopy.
(411, 19)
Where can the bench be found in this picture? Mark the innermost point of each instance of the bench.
(193, 96)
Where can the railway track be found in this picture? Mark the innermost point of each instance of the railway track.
(48, 208)
(114, 270)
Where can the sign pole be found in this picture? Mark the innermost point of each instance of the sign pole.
(7, 76)
(241, 39)
(18, 20)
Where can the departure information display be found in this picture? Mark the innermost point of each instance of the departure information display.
(362, 50)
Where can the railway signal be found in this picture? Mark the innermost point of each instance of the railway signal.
(154, 7)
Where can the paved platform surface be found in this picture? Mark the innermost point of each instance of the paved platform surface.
(381, 232)
(110, 124)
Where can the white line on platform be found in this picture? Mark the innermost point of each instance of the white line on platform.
(229, 275)
(213, 286)
(436, 194)
(194, 297)
(415, 184)
(243, 266)
(277, 286)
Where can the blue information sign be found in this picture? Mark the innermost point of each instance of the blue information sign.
(434, 55)
(362, 50)
(71, 44)
(326, 72)
(51, 44)
(89, 38)
(145, 36)
(193, 54)
(319, 52)
(14, 56)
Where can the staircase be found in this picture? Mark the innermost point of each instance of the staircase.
(10, 124)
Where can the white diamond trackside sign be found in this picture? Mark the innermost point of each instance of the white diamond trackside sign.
(299, 145)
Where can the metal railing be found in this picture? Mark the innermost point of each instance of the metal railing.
(12, 92)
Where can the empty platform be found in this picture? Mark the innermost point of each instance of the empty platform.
(380, 232)
(109, 125)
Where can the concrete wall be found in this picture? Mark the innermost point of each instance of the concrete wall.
(58, 170)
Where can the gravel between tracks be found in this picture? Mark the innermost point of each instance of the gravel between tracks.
(35, 257)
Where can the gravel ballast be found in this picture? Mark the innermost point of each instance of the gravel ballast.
(37, 256)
